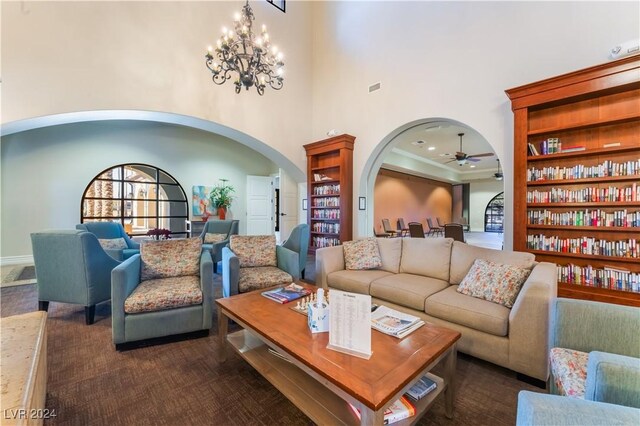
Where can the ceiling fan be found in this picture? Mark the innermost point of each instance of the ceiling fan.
(462, 157)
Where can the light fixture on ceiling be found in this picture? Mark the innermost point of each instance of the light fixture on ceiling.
(461, 157)
(250, 59)
(498, 175)
(431, 148)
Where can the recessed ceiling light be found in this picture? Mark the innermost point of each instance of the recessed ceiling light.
(418, 143)
(472, 166)
(431, 148)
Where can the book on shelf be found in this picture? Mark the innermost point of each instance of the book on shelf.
(399, 410)
(421, 388)
(286, 294)
(394, 323)
(532, 149)
(574, 148)
(320, 177)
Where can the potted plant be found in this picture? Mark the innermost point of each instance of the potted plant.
(221, 197)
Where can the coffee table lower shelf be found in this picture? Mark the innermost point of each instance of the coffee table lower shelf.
(312, 397)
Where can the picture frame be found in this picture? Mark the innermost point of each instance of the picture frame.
(362, 203)
(304, 204)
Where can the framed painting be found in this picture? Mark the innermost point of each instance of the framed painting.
(200, 203)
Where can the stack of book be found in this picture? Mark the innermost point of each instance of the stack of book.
(286, 294)
(394, 323)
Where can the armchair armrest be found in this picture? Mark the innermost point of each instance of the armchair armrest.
(328, 259)
(230, 272)
(543, 409)
(206, 285)
(613, 378)
(288, 261)
(588, 326)
(529, 322)
(216, 249)
(124, 279)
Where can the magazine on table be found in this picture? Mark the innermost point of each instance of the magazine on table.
(394, 323)
(287, 294)
(421, 388)
(399, 410)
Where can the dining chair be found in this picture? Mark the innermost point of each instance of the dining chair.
(416, 230)
(404, 231)
(433, 230)
(455, 231)
(440, 224)
(388, 229)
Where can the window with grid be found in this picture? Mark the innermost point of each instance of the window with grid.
(494, 214)
(140, 196)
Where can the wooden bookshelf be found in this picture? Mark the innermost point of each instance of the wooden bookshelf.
(597, 109)
(330, 191)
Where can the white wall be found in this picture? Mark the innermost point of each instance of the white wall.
(69, 56)
(451, 60)
(480, 193)
(45, 172)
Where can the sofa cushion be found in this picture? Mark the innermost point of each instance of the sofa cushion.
(361, 254)
(464, 255)
(113, 243)
(481, 315)
(390, 253)
(260, 277)
(354, 281)
(210, 237)
(569, 370)
(429, 257)
(406, 289)
(494, 282)
(164, 293)
(254, 250)
(170, 258)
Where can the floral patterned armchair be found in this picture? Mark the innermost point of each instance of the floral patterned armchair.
(165, 290)
(252, 262)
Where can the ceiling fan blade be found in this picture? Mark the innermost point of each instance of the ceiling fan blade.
(450, 161)
(475, 160)
(486, 154)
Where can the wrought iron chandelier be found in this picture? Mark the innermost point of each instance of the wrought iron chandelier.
(250, 59)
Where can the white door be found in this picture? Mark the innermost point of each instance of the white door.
(288, 205)
(259, 205)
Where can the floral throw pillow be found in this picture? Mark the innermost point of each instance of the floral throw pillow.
(210, 238)
(494, 282)
(170, 258)
(254, 250)
(113, 243)
(362, 254)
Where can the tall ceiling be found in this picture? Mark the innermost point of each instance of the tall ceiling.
(438, 143)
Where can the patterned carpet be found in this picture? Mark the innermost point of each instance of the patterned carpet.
(183, 383)
(18, 275)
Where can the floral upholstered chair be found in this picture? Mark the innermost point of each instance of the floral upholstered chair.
(252, 262)
(595, 352)
(165, 290)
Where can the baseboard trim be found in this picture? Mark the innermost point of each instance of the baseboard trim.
(16, 260)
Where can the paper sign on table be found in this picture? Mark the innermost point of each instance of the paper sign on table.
(350, 323)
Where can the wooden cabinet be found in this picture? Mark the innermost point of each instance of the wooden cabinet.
(330, 191)
(579, 206)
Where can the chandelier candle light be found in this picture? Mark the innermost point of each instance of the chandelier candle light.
(252, 60)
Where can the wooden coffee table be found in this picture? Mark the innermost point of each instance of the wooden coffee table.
(319, 380)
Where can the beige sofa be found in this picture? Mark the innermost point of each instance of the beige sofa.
(420, 276)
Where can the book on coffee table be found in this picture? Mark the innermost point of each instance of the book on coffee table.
(394, 323)
(421, 388)
(399, 410)
(286, 294)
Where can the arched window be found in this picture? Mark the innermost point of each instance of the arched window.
(140, 196)
(494, 214)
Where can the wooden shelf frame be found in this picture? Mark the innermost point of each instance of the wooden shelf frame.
(335, 155)
(601, 104)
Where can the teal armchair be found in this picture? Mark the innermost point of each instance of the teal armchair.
(219, 232)
(595, 352)
(72, 267)
(538, 409)
(298, 241)
(166, 290)
(252, 262)
(107, 232)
